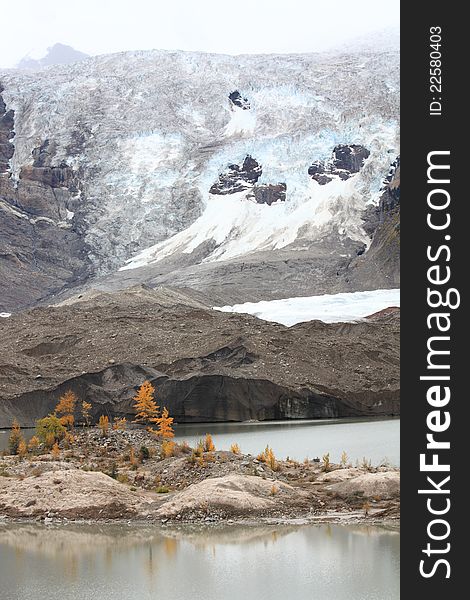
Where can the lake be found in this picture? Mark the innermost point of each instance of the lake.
(107, 562)
(374, 439)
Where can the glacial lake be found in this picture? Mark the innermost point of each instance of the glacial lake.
(128, 562)
(375, 439)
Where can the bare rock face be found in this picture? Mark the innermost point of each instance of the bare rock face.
(346, 160)
(206, 365)
(41, 249)
(238, 177)
(7, 123)
(268, 193)
(381, 263)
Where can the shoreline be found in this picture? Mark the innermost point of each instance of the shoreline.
(129, 475)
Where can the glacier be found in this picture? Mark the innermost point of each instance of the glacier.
(329, 308)
(149, 132)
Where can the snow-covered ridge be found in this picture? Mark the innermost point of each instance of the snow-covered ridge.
(150, 132)
(330, 308)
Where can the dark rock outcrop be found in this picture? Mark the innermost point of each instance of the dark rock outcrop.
(268, 193)
(206, 365)
(346, 160)
(237, 100)
(238, 177)
(41, 250)
(380, 265)
(7, 124)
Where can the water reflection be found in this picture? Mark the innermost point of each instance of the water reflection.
(324, 562)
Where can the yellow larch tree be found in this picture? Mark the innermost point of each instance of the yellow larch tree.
(66, 407)
(165, 425)
(145, 406)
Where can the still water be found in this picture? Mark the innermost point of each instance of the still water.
(319, 562)
(374, 439)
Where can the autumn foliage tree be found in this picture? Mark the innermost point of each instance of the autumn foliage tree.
(86, 408)
(66, 407)
(165, 425)
(145, 406)
(50, 430)
(15, 438)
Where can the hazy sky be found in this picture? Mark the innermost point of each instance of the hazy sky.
(228, 26)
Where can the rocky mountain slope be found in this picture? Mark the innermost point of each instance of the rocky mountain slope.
(206, 365)
(244, 178)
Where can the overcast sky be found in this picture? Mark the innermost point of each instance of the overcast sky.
(227, 26)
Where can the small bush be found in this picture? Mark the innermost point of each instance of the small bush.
(162, 489)
(22, 449)
(103, 424)
(168, 448)
(269, 458)
(235, 448)
(274, 490)
(344, 459)
(144, 453)
(122, 478)
(185, 448)
(33, 444)
(55, 451)
(326, 462)
(208, 444)
(119, 424)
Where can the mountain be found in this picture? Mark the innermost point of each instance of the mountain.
(243, 178)
(58, 54)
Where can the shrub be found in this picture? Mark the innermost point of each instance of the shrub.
(132, 458)
(162, 489)
(344, 459)
(235, 448)
(119, 424)
(22, 449)
(123, 478)
(113, 472)
(144, 453)
(268, 458)
(274, 490)
(326, 462)
(15, 438)
(103, 424)
(50, 430)
(168, 448)
(208, 444)
(185, 448)
(55, 451)
(33, 444)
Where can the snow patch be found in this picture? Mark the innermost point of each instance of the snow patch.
(241, 121)
(5, 315)
(330, 308)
